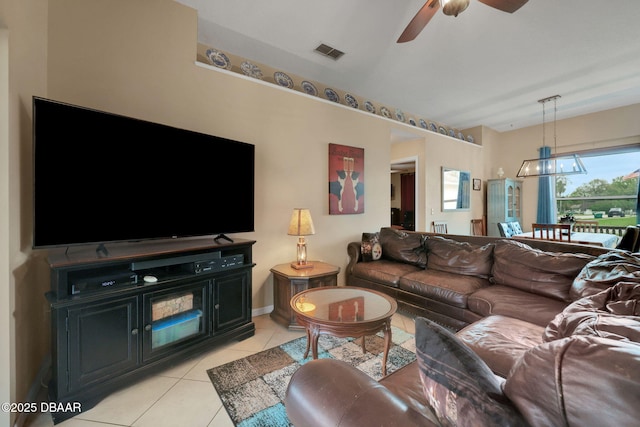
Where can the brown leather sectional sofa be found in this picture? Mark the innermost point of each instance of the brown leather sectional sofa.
(454, 286)
(557, 325)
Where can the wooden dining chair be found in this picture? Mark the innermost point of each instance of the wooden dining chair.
(477, 227)
(630, 240)
(586, 226)
(558, 232)
(439, 227)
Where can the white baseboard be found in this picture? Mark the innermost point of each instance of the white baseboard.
(262, 310)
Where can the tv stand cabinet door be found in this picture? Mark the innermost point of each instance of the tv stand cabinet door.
(231, 300)
(103, 341)
(169, 303)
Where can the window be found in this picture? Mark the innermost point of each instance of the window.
(611, 184)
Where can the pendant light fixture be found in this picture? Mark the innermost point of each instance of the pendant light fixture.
(565, 164)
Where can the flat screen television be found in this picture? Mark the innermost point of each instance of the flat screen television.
(102, 177)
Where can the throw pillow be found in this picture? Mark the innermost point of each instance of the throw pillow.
(370, 247)
(459, 257)
(544, 273)
(460, 387)
(604, 272)
(613, 313)
(401, 246)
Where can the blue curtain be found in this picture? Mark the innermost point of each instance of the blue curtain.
(546, 196)
(464, 196)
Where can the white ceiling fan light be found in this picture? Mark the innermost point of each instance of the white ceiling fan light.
(453, 7)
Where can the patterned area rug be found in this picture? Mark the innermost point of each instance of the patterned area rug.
(253, 389)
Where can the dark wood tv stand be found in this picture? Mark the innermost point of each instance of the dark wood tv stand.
(110, 327)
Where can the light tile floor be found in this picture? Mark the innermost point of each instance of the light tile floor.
(183, 396)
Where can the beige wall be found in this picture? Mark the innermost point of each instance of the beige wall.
(6, 324)
(23, 49)
(116, 56)
(434, 151)
(137, 58)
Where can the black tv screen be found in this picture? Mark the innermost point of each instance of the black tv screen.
(101, 177)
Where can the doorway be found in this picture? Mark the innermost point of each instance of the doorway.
(404, 194)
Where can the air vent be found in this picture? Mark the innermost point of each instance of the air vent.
(329, 51)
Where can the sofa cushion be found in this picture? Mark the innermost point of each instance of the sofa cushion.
(578, 381)
(533, 270)
(370, 247)
(516, 303)
(604, 272)
(384, 271)
(459, 257)
(404, 247)
(500, 341)
(460, 387)
(613, 313)
(453, 289)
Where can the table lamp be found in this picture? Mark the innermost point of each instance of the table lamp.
(301, 225)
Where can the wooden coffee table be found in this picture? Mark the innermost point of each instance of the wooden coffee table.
(344, 311)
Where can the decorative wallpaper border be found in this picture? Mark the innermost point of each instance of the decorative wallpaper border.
(237, 64)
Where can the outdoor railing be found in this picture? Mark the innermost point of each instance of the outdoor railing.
(612, 229)
(618, 230)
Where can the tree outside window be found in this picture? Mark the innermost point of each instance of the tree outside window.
(611, 183)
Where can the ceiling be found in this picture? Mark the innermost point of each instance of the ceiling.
(484, 67)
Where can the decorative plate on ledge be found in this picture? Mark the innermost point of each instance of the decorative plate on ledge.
(433, 127)
(218, 59)
(351, 100)
(368, 105)
(251, 70)
(282, 79)
(309, 88)
(385, 112)
(332, 95)
(412, 121)
(442, 130)
(423, 124)
(399, 115)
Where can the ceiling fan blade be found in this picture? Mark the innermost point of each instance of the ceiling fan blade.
(419, 21)
(508, 6)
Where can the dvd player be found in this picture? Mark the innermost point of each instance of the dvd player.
(96, 283)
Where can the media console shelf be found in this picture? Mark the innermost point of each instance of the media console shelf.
(118, 317)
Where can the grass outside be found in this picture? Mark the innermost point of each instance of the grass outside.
(614, 221)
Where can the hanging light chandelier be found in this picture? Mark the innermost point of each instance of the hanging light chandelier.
(565, 164)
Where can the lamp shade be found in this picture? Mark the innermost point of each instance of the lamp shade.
(301, 223)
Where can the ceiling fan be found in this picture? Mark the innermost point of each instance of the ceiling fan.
(450, 7)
